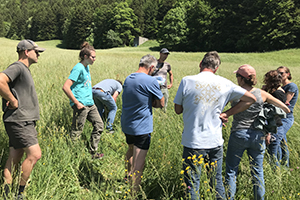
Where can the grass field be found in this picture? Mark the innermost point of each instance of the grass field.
(66, 170)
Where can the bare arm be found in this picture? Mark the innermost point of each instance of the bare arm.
(158, 103)
(272, 100)
(245, 102)
(178, 109)
(67, 89)
(289, 96)
(171, 79)
(6, 93)
(115, 95)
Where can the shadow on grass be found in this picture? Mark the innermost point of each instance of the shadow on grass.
(156, 48)
(89, 173)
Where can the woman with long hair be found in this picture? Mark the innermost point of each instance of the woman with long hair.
(78, 88)
(245, 137)
(272, 85)
(291, 91)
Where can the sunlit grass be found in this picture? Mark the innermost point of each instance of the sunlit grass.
(66, 170)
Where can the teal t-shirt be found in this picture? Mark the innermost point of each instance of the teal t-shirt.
(82, 86)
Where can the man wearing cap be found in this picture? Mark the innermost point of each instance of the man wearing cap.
(161, 72)
(105, 93)
(201, 99)
(21, 111)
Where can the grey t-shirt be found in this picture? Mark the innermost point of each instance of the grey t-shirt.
(109, 85)
(162, 70)
(245, 119)
(22, 86)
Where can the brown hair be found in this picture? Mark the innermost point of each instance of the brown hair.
(287, 70)
(86, 49)
(249, 81)
(272, 80)
(119, 82)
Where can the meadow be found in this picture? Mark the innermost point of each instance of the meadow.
(66, 170)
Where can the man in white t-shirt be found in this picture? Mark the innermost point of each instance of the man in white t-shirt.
(201, 98)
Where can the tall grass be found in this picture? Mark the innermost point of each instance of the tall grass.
(66, 170)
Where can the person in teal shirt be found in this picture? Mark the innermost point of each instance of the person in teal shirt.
(78, 88)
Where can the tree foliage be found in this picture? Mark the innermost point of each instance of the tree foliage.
(174, 28)
(43, 24)
(124, 22)
(79, 28)
(185, 25)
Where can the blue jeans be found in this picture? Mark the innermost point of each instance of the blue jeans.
(274, 149)
(102, 99)
(283, 152)
(254, 142)
(192, 175)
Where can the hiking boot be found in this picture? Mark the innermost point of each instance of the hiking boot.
(97, 156)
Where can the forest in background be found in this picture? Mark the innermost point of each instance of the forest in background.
(180, 25)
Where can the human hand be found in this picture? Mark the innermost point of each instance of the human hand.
(79, 106)
(169, 86)
(268, 138)
(224, 117)
(12, 104)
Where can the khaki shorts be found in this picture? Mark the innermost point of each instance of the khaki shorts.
(21, 134)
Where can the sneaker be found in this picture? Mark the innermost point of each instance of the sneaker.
(110, 131)
(97, 156)
(20, 197)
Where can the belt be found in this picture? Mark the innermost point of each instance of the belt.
(95, 88)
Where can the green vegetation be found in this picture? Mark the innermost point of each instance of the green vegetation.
(181, 25)
(66, 171)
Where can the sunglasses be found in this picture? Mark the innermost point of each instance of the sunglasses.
(237, 75)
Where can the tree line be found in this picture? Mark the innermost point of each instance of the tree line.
(184, 25)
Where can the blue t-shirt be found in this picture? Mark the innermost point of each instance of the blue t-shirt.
(109, 85)
(138, 93)
(82, 86)
(291, 87)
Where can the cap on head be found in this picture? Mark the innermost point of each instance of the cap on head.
(246, 71)
(28, 45)
(164, 50)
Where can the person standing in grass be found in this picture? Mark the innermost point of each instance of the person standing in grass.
(244, 137)
(21, 111)
(201, 98)
(78, 88)
(105, 93)
(140, 93)
(161, 71)
(291, 91)
(273, 80)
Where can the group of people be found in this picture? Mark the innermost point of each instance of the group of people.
(21, 110)
(200, 98)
